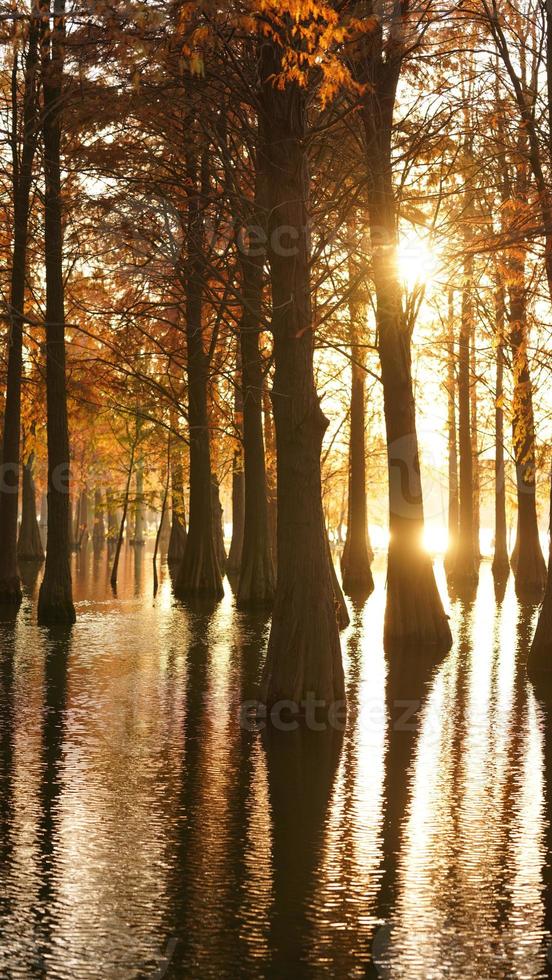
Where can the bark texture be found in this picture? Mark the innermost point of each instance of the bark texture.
(501, 564)
(199, 574)
(528, 562)
(540, 655)
(257, 582)
(356, 559)
(10, 587)
(453, 502)
(177, 540)
(98, 533)
(55, 601)
(304, 654)
(29, 544)
(465, 565)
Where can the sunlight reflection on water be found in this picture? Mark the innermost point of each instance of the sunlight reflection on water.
(145, 833)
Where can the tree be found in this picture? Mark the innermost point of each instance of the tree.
(55, 601)
(304, 655)
(22, 178)
(414, 611)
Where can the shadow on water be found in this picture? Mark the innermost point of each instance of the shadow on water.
(301, 767)
(56, 660)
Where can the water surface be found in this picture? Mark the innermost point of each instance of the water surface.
(147, 831)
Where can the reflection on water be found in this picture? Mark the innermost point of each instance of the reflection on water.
(147, 830)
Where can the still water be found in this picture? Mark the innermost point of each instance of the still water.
(147, 832)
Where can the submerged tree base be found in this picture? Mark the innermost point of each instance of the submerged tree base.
(358, 582)
(257, 584)
(501, 566)
(55, 608)
(530, 574)
(10, 591)
(414, 613)
(303, 662)
(199, 574)
(539, 665)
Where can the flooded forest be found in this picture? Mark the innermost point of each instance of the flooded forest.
(275, 489)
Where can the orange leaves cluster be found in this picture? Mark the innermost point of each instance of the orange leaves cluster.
(307, 32)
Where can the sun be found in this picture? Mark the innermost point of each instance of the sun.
(417, 261)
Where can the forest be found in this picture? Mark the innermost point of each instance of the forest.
(277, 330)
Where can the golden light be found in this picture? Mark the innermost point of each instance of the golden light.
(417, 261)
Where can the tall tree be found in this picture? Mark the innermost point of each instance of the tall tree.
(304, 654)
(199, 573)
(414, 610)
(22, 176)
(55, 601)
(453, 503)
(501, 563)
(356, 560)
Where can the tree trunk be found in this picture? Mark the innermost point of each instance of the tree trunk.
(138, 538)
(527, 558)
(98, 534)
(82, 526)
(29, 545)
(112, 527)
(218, 523)
(270, 462)
(356, 561)
(55, 601)
(453, 503)
(257, 575)
(10, 587)
(233, 564)
(199, 573)
(414, 611)
(475, 448)
(465, 567)
(238, 478)
(501, 564)
(540, 655)
(120, 536)
(304, 654)
(177, 540)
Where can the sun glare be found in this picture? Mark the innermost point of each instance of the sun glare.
(417, 261)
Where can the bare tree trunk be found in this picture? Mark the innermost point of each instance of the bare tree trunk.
(257, 575)
(199, 573)
(414, 611)
(238, 514)
(453, 503)
(112, 528)
(465, 567)
(270, 443)
(120, 536)
(238, 477)
(356, 561)
(304, 655)
(98, 533)
(527, 558)
(501, 564)
(162, 518)
(177, 540)
(10, 587)
(540, 655)
(29, 545)
(139, 540)
(218, 523)
(55, 601)
(475, 447)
